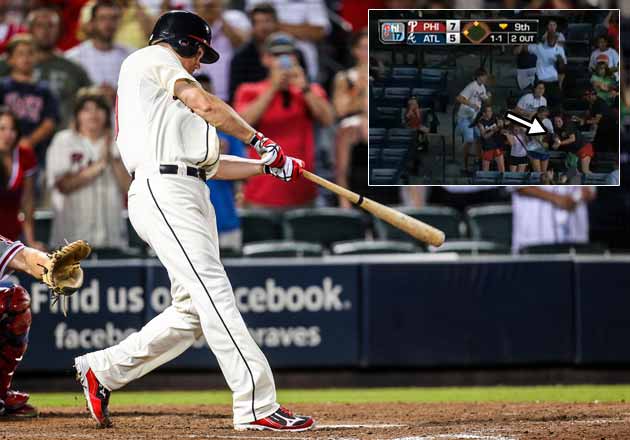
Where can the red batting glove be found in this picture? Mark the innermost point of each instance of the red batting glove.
(291, 169)
(270, 152)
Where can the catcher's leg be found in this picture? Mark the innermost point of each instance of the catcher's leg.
(14, 326)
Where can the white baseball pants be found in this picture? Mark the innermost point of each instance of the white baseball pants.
(173, 214)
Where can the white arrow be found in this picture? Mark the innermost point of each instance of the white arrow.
(535, 127)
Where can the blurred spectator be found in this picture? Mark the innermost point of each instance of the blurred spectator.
(64, 77)
(222, 192)
(70, 12)
(528, 104)
(550, 214)
(603, 120)
(32, 102)
(284, 107)
(355, 12)
(611, 22)
(525, 68)
(246, 65)
(489, 127)
(18, 166)
(230, 30)
(99, 55)
(552, 29)
(307, 21)
(604, 82)
(605, 53)
(87, 178)
(550, 62)
(8, 28)
(470, 100)
(351, 86)
(136, 24)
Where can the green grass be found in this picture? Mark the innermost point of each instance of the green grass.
(574, 393)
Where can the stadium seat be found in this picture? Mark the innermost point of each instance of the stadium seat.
(486, 178)
(324, 225)
(280, 249)
(259, 225)
(384, 176)
(427, 97)
(375, 157)
(515, 178)
(388, 117)
(362, 247)
(42, 219)
(409, 72)
(377, 135)
(594, 179)
(111, 253)
(433, 78)
(565, 248)
(377, 92)
(442, 217)
(401, 93)
(393, 157)
(580, 32)
(491, 223)
(400, 135)
(471, 247)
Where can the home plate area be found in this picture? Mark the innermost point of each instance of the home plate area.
(336, 421)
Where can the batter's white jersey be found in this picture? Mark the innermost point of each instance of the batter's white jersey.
(153, 127)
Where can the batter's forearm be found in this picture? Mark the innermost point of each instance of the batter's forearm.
(237, 168)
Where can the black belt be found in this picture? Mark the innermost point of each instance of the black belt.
(174, 169)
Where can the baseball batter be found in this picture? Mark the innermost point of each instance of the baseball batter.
(166, 133)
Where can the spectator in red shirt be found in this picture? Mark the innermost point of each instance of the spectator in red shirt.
(284, 106)
(17, 182)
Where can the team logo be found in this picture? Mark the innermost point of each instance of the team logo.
(392, 32)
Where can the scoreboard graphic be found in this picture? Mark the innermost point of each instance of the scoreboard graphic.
(479, 31)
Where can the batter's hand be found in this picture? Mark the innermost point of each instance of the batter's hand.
(291, 169)
(270, 152)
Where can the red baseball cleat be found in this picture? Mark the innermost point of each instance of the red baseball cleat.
(96, 395)
(281, 420)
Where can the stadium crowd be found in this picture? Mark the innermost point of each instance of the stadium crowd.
(295, 69)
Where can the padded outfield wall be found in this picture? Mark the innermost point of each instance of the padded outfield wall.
(373, 311)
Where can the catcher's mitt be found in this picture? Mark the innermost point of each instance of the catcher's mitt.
(63, 273)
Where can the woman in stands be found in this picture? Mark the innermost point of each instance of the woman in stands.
(568, 136)
(18, 166)
(351, 86)
(518, 154)
(491, 139)
(537, 146)
(87, 178)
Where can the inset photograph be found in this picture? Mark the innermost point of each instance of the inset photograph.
(493, 97)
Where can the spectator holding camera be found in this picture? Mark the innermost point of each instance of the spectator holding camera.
(284, 106)
(491, 139)
(86, 175)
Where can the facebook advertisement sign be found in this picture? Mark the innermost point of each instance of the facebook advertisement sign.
(300, 315)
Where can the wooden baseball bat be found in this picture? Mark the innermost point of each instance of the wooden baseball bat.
(414, 227)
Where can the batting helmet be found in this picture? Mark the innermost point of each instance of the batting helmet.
(185, 32)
